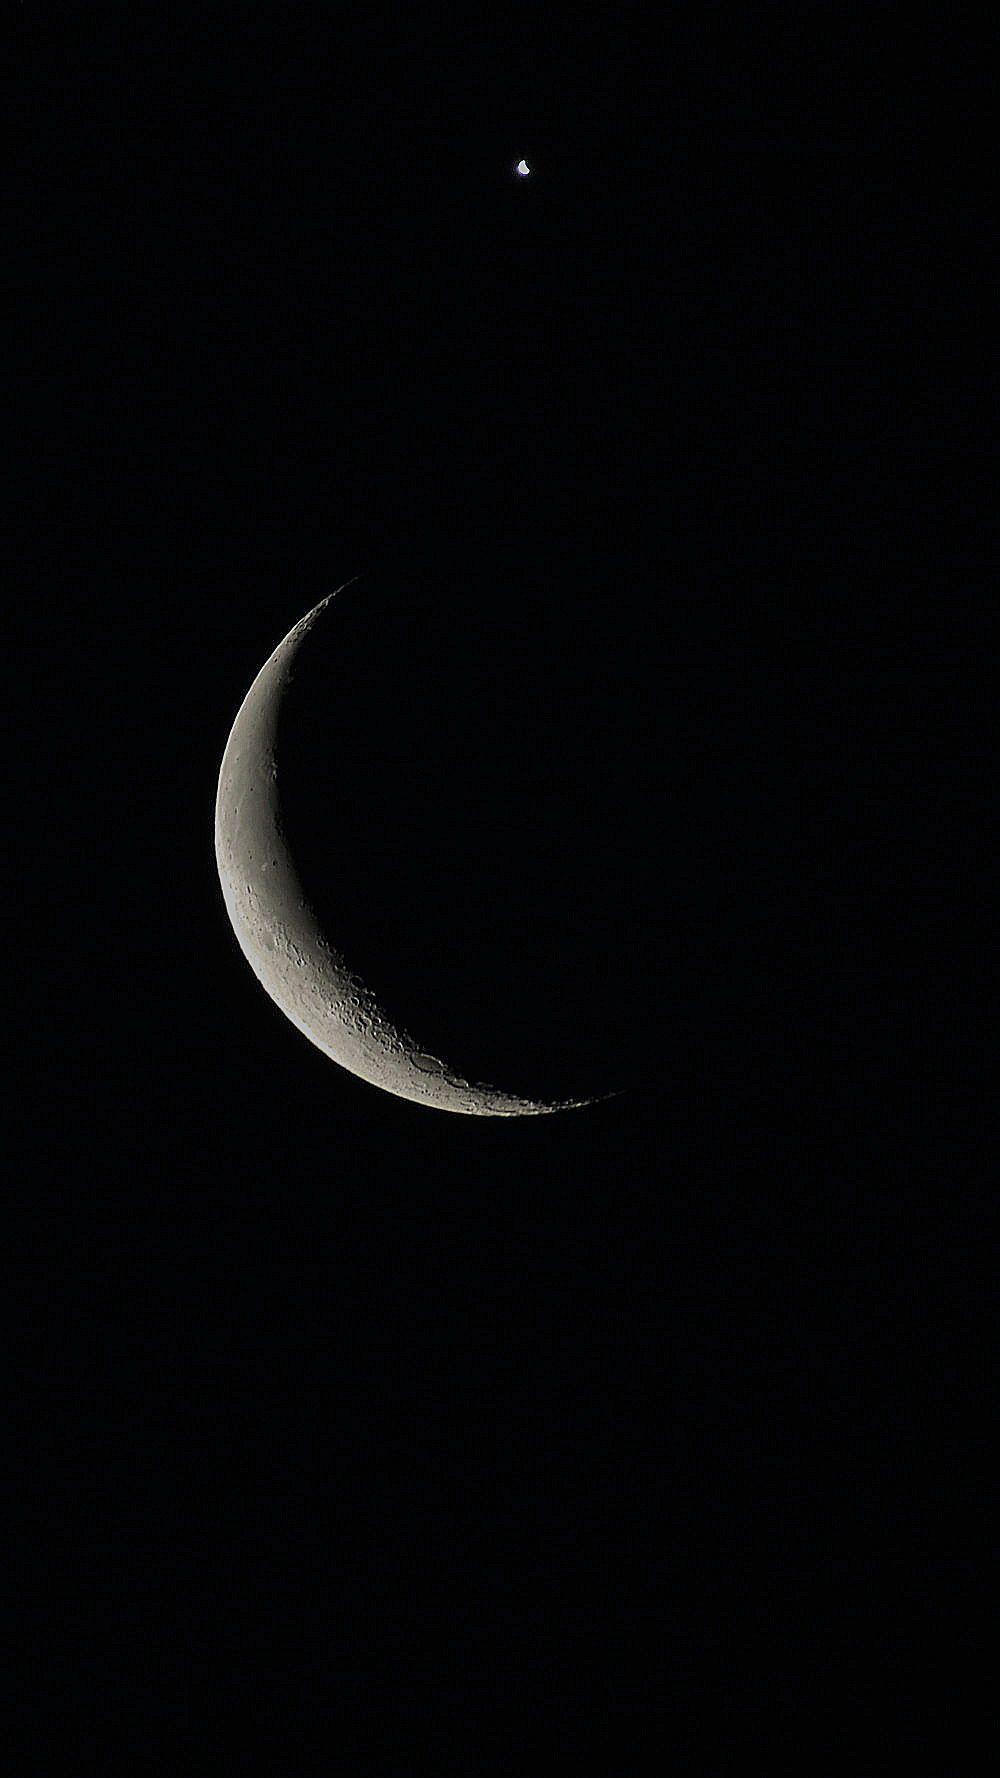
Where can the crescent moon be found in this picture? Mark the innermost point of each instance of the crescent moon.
(282, 938)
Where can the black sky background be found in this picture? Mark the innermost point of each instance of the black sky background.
(673, 1403)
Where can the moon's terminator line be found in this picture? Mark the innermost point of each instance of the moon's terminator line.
(281, 936)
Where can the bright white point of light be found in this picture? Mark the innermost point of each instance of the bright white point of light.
(522, 169)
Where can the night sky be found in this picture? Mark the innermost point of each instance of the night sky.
(672, 1405)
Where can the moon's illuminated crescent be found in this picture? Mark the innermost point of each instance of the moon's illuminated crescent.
(281, 937)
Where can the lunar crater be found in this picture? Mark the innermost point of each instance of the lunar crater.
(460, 859)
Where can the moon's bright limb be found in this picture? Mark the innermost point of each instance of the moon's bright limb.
(523, 169)
(281, 937)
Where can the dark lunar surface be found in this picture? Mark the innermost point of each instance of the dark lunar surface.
(517, 828)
